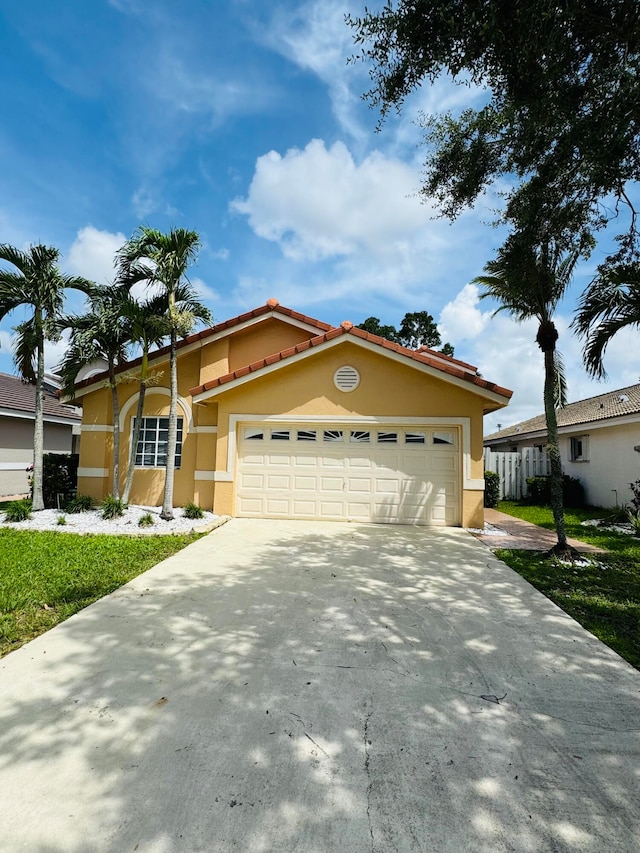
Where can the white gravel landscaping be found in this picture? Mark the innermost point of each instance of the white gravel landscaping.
(92, 522)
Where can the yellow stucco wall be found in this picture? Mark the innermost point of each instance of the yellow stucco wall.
(388, 389)
(266, 338)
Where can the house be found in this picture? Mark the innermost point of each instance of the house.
(599, 443)
(284, 416)
(17, 414)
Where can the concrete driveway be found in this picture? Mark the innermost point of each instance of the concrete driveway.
(316, 687)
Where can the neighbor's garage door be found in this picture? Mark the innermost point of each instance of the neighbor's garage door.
(392, 474)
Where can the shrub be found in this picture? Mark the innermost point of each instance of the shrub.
(191, 510)
(81, 503)
(635, 500)
(59, 479)
(634, 519)
(146, 520)
(491, 489)
(539, 491)
(61, 520)
(18, 510)
(112, 507)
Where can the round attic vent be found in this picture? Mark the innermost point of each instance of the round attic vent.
(346, 378)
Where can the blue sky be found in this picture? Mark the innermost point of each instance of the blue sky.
(242, 120)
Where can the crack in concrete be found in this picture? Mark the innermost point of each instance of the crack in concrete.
(367, 770)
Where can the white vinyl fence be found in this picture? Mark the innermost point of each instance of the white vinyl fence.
(514, 469)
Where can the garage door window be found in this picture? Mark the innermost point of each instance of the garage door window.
(360, 436)
(415, 438)
(280, 435)
(443, 438)
(253, 434)
(387, 438)
(333, 435)
(307, 435)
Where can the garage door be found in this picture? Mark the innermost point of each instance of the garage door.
(401, 475)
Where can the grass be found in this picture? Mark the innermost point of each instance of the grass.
(45, 577)
(604, 596)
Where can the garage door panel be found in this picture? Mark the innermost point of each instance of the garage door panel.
(401, 481)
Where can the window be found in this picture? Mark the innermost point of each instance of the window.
(307, 435)
(151, 451)
(359, 435)
(443, 438)
(414, 438)
(253, 434)
(387, 438)
(579, 448)
(279, 435)
(332, 435)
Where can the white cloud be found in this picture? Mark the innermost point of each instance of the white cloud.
(92, 254)
(317, 39)
(204, 291)
(6, 342)
(461, 319)
(318, 203)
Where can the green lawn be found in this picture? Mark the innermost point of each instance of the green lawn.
(46, 577)
(603, 596)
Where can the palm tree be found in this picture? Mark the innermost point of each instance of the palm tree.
(38, 284)
(529, 283)
(100, 333)
(147, 327)
(162, 260)
(610, 303)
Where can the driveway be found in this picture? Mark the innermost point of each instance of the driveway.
(318, 687)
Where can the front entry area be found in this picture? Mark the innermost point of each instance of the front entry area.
(390, 473)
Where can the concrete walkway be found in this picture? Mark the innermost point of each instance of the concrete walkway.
(310, 687)
(524, 536)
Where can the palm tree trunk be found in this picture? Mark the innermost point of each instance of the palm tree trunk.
(135, 438)
(553, 450)
(38, 426)
(116, 431)
(172, 438)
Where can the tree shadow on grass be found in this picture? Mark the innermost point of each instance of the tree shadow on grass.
(278, 686)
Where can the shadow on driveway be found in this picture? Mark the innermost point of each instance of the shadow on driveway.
(320, 687)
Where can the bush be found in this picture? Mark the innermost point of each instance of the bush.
(491, 489)
(146, 520)
(112, 507)
(635, 500)
(191, 510)
(59, 479)
(81, 503)
(61, 521)
(18, 510)
(634, 520)
(539, 491)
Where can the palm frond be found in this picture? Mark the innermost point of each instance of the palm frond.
(25, 346)
(560, 391)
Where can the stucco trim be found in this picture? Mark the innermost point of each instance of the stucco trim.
(356, 341)
(164, 392)
(204, 475)
(96, 428)
(93, 472)
(468, 483)
(205, 430)
(14, 466)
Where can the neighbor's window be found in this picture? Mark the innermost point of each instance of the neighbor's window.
(579, 448)
(151, 451)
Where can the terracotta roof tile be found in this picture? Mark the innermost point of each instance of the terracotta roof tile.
(431, 359)
(272, 306)
(624, 401)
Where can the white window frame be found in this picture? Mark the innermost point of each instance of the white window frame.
(581, 453)
(141, 442)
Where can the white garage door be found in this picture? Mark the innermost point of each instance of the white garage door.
(401, 475)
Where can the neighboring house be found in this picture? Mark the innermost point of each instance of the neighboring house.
(599, 443)
(17, 413)
(283, 416)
